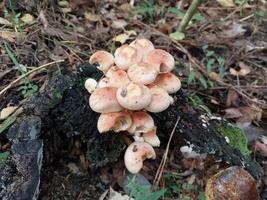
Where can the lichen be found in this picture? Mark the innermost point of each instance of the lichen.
(235, 137)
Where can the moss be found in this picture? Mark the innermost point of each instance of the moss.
(236, 136)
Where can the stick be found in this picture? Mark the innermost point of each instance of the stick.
(188, 15)
(163, 160)
(27, 74)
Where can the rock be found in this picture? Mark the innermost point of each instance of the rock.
(233, 183)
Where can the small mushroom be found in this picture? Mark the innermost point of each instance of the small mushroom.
(117, 77)
(136, 153)
(142, 122)
(134, 96)
(103, 58)
(126, 56)
(152, 138)
(161, 58)
(103, 100)
(142, 45)
(143, 73)
(160, 99)
(116, 121)
(90, 84)
(169, 82)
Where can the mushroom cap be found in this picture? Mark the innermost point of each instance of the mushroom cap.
(103, 58)
(116, 121)
(142, 122)
(143, 73)
(126, 56)
(160, 99)
(142, 45)
(103, 82)
(169, 82)
(103, 100)
(136, 153)
(117, 77)
(161, 58)
(152, 138)
(90, 84)
(134, 96)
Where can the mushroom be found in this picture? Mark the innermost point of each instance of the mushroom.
(142, 45)
(126, 56)
(134, 96)
(90, 84)
(103, 58)
(169, 82)
(103, 100)
(160, 99)
(152, 138)
(103, 82)
(143, 73)
(136, 153)
(117, 77)
(116, 121)
(161, 58)
(142, 122)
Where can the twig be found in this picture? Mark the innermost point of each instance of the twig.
(163, 160)
(188, 15)
(10, 120)
(27, 74)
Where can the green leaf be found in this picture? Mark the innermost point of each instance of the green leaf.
(201, 196)
(220, 61)
(205, 47)
(191, 77)
(177, 35)
(209, 53)
(4, 157)
(203, 82)
(176, 11)
(198, 17)
(210, 64)
(259, 13)
(155, 195)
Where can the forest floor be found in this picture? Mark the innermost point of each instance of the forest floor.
(221, 60)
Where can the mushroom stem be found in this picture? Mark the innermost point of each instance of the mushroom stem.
(125, 138)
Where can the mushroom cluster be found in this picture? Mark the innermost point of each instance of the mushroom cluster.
(137, 80)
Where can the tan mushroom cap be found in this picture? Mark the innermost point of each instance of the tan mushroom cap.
(160, 99)
(125, 56)
(136, 153)
(103, 82)
(162, 58)
(143, 73)
(103, 58)
(142, 45)
(116, 121)
(169, 82)
(103, 100)
(134, 96)
(117, 77)
(152, 138)
(142, 122)
(90, 84)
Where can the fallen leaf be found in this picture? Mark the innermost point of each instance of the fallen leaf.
(92, 17)
(231, 30)
(233, 72)
(231, 113)
(27, 18)
(7, 35)
(244, 69)
(120, 23)
(177, 35)
(6, 112)
(232, 97)
(214, 76)
(226, 3)
(122, 38)
(5, 22)
(113, 195)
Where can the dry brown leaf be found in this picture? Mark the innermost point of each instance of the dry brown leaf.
(120, 23)
(214, 76)
(92, 17)
(232, 97)
(232, 113)
(5, 22)
(244, 69)
(27, 18)
(122, 38)
(226, 3)
(7, 35)
(233, 72)
(6, 112)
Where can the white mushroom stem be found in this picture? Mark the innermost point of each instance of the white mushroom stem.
(152, 138)
(104, 59)
(136, 153)
(116, 121)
